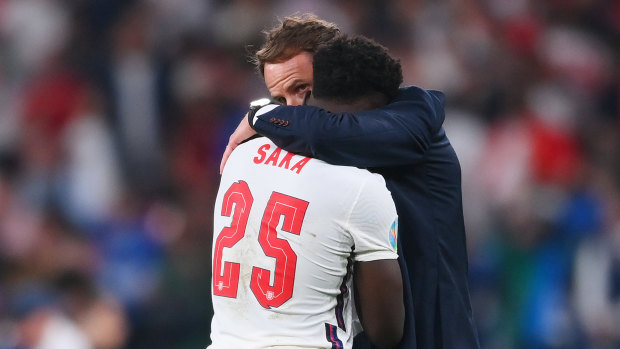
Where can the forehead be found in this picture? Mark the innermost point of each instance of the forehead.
(284, 74)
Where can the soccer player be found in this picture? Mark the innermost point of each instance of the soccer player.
(403, 141)
(293, 234)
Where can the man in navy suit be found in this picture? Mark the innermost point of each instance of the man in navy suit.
(403, 141)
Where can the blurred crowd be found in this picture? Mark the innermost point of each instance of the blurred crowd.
(114, 115)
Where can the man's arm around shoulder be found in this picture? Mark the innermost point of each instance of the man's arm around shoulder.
(396, 134)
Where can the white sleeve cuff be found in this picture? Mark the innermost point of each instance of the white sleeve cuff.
(262, 111)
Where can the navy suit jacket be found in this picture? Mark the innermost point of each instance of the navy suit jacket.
(405, 142)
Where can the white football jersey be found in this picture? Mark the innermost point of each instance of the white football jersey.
(287, 230)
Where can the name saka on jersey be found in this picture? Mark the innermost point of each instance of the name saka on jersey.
(273, 159)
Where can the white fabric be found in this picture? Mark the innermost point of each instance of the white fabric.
(263, 110)
(347, 207)
(61, 333)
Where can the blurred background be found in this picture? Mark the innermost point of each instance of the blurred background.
(114, 115)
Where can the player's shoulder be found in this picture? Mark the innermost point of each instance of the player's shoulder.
(360, 175)
(348, 174)
(367, 187)
(252, 144)
(262, 152)
(250, 148)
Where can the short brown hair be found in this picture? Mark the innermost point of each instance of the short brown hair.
(291, 36)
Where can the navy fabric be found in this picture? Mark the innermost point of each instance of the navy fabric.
(405, 143)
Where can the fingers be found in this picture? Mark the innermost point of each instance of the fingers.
(243, 132)
(227, 152)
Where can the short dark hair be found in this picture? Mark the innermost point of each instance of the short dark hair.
(350, 67)
(293, 35)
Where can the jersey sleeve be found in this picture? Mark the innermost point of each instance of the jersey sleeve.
(396, 134)
(373, 222)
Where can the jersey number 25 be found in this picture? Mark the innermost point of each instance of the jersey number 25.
(293, 210)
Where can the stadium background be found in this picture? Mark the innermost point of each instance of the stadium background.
(114, 115)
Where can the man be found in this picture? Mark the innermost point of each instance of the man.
(292, 231)
(405, 143)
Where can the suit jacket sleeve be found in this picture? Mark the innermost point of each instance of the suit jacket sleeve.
(396, 134)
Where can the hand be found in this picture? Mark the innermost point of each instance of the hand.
(243, 132)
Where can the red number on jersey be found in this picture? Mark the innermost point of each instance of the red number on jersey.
(239, 195)
(293, 211)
